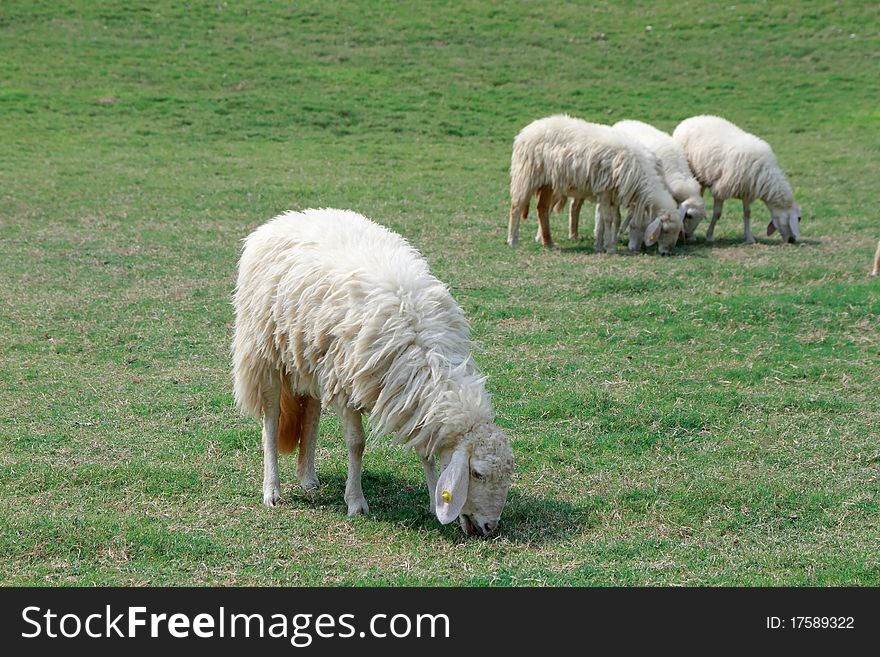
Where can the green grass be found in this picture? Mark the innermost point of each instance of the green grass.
(708, 419)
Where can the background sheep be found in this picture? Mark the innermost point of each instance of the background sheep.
(876, 269)
(638, 229)
(332, 308)
(560, 156)
(674, 170)
(736, 164)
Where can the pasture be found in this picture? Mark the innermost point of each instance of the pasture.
(707, 419)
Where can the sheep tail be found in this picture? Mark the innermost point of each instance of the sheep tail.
(290, 424)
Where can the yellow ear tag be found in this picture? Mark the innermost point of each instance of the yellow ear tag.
(447, 496)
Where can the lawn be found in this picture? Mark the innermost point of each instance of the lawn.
(707, 419)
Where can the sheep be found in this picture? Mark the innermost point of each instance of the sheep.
(334, 309)
(560, 156)
(674, 170)
(876, 269)
(736, 164)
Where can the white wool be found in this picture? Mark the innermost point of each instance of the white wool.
(673, 163)
(733, 162)
(348, 310)
(579, 159)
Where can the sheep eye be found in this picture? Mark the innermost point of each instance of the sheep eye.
(476, 475)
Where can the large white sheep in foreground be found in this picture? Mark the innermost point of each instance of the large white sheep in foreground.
(736, 164)
(333, 309)
(560, 156)
(674, 169)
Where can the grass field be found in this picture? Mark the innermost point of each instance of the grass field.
(710, 418)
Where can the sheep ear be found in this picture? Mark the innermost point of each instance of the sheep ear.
(452, 487)
(771, 228)
(652, 233)
(682, 211)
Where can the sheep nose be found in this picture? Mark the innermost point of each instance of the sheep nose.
(489, 527)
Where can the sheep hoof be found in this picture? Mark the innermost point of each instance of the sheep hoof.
(272, 496)
(309, 483)
(710, 239)
(750, 239)
(358, 508)
(513, 242)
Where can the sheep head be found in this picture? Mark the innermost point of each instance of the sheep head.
(694, 213)
(664, 230)
(787, 222)
(474, 480)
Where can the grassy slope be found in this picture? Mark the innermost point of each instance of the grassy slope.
(710, 418)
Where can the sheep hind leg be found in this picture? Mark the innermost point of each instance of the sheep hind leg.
(545, 198)
(271, 414)
(430, 468)
(574, 216)
(305, 468)
(354, 439)
(717, 206)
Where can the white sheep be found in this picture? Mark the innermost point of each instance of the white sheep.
(736, 164)
(876, 270)
(560, 156)
(674, 170)
(333, 309)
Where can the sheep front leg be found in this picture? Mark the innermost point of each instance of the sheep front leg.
(305, 468)
(518, 210)
(354, 439)
(607, 212)
(430, 468)
(574, 216)
(717, 205)
(747, 228)
(615, 215)
(598, 231)
(271, 415)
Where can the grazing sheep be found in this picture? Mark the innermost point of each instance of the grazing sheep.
(559, 157)
(332, 308)
(674, 170)
(637, 230)
(736, 164)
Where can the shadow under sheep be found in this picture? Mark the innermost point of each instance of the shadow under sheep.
(404, 502)
(698, 248)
